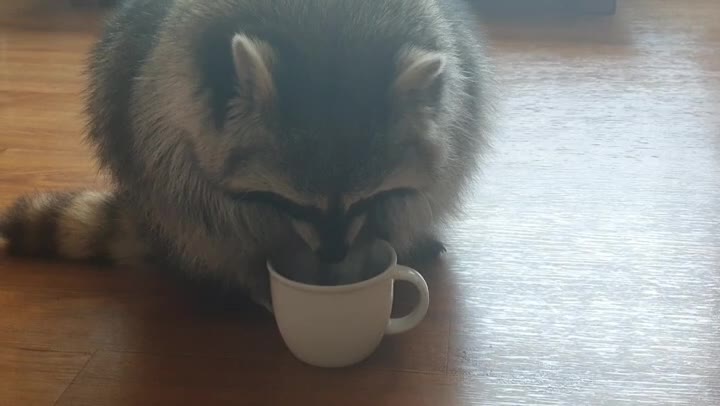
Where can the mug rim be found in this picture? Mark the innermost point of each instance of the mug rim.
(336, 288)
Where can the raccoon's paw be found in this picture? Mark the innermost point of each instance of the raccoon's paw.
(258, 290)
(260, 295)
(424, 251)
(264, 301)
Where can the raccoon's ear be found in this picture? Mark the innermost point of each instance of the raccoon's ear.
(419, 77)
(253, 60)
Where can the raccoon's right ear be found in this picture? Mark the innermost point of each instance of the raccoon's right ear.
(420, 75)
(253, 60)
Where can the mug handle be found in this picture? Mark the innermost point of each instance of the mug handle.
(403, 324)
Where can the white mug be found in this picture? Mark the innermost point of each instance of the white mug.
(338, 326)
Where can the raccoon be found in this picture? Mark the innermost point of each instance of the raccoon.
(235, 130)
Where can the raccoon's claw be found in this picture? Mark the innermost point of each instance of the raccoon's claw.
(427, 250)
(267, 306)
(264, 301)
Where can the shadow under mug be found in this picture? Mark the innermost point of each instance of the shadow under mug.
(338, 326)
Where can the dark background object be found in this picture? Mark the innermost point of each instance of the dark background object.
(549, 6)
(93, 3)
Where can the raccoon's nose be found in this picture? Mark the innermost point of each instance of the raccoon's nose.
(333, 254)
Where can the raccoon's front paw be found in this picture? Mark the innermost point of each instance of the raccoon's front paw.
(264, 301)
(258, 290)
(261, 298)
(424, 251)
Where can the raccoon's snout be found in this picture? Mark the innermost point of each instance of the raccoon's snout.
(328, 239)
(333, 254)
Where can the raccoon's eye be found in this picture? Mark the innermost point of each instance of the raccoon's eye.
(315, 215)
(366, 204)
(294, 210)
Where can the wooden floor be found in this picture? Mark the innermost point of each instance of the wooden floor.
(586, 272)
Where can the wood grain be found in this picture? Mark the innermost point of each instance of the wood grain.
(586, 271)
(31, 377)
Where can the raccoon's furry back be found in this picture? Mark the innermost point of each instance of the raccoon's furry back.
(149, 109)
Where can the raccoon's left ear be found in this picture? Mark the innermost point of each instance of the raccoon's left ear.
(253, 62)
(419, 77)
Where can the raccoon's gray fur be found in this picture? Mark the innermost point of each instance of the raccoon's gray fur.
(235, 129)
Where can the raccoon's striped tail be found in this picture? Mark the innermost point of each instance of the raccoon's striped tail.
(85, 225)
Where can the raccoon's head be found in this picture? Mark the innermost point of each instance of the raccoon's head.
(335, 138)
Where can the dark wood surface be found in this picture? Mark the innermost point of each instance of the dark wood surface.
(587, 271)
